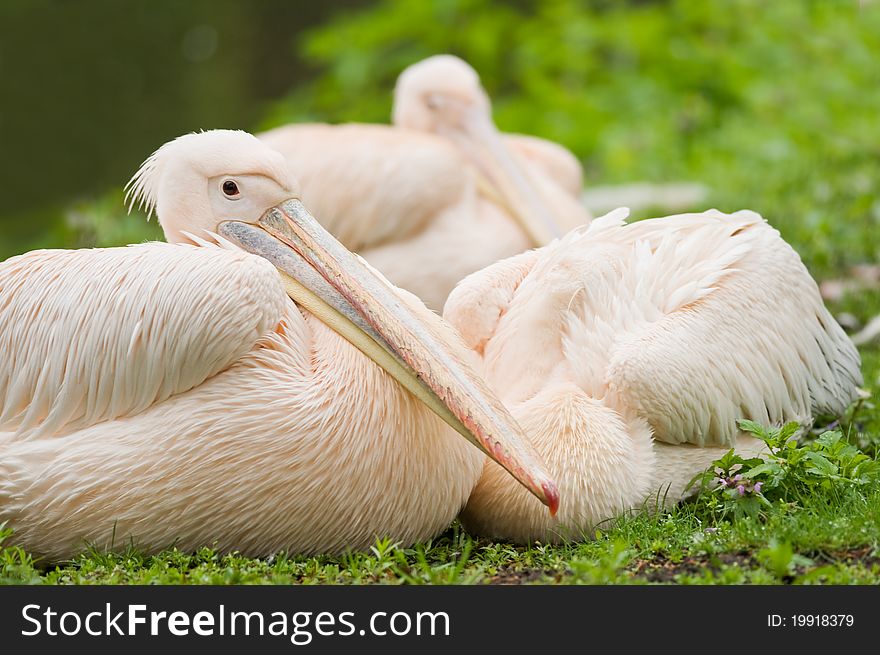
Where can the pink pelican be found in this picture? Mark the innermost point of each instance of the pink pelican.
(628, 352)
(441, 193)
(171, 394)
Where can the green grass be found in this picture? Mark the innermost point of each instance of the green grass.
(814, 544)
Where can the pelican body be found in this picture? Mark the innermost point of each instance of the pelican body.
(440, 193)
(628, 352)
(174, 393)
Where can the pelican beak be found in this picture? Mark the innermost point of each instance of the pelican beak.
(409, 342)
(502, 177)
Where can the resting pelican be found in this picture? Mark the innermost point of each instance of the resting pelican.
(441, 193)
(172, 394)
(627, 352)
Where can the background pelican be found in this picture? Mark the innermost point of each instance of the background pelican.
(441, 193)
(628, 352)
(172, 394)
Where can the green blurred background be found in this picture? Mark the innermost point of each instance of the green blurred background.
(775, 106)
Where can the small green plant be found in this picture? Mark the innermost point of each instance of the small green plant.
(786, 474)
(608, 568)
(420, 565)
(16, 566)
(781, 560)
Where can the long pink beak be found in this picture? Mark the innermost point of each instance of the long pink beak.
(512, 184)
(409, 342)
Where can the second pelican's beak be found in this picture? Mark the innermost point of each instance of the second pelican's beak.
(408, 342)
(503, 178)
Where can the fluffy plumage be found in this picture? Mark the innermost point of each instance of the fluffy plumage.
(629, 351)
(169, 394)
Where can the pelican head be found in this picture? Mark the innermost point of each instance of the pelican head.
(230, 184)
(198, 180)
(438, 94)
(443, 95)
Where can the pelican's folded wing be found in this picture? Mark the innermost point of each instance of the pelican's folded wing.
(371, 184)
(92, 335)
(739, 330)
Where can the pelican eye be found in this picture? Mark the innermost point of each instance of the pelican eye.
(230, 189)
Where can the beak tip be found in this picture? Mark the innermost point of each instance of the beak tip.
(551, 496)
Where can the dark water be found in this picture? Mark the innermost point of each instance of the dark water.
(88, 89)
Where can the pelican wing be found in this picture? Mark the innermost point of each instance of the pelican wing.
(740, 331)
(92, 335)
(371, 184)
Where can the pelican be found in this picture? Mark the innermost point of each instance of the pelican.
(171, 394)
(440, 193)
(628, 351)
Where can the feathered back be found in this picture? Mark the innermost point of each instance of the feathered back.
(96, 334)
